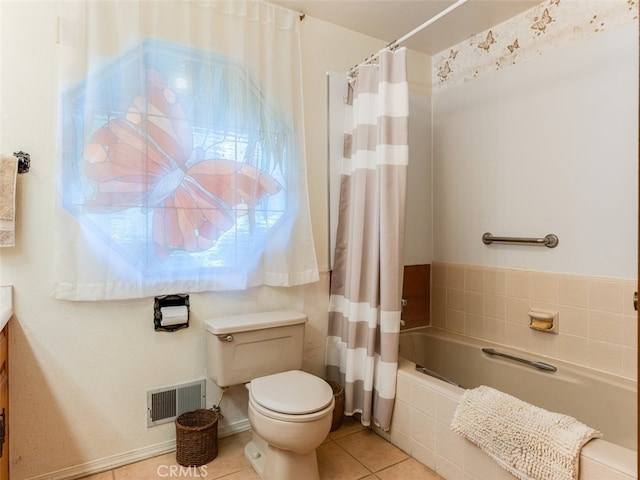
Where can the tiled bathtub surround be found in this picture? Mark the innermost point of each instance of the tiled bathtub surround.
(597, 321)
(421, 423)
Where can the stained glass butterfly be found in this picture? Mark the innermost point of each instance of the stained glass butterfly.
(147, 160)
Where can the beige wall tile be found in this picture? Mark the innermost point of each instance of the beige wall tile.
(438, 274)
(474, 302)
(517, 310)
(455, 276)
(495, 306)
(630, 331)
(478, 464)
(438, 296)
(474, 325)
(517, 336)
(573, 290)
(606, 327)
(403, 388)
(544, 287)
(450, 445)
(573, 349)
(627, 300)
(455, 321)
(518, 284)
(630, 363)
(455, 299)
(573, 320)
(422, 398)
(425, 455)
(423, 428)
(495, 281)
(401, 417)
(543, 343)
(494, 330)
(597, 326)
(439, 317)
(606, 296)
(474, 279)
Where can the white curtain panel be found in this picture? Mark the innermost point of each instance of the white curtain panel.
(181, 149)
(366, 282)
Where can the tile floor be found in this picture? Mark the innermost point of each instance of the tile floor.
(351, 452)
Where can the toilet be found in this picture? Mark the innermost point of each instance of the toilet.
(290, 411)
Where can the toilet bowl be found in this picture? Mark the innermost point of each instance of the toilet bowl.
(291, 415)
(290, 411)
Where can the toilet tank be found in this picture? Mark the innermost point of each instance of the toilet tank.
(243, 347)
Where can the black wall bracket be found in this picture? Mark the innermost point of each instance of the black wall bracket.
(169, 301)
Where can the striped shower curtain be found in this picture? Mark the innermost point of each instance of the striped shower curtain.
(366, 282)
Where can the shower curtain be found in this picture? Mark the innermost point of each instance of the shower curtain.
(366, 282)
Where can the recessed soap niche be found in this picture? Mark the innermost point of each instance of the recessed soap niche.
(543, 321)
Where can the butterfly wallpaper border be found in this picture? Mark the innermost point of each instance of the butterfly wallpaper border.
(541, 29)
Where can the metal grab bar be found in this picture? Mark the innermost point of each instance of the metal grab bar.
(433, 374)
(550, 241)
(539, 365)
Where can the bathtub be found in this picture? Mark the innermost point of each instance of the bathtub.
(425, 404)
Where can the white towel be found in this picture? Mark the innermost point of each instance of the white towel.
(528, 441)
(8, 175)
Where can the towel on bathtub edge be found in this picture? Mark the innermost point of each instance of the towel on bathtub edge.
(528, 441)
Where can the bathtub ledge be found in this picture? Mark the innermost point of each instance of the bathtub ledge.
(623, 460)
(408, 369)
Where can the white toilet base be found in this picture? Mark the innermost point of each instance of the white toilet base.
(271, 463)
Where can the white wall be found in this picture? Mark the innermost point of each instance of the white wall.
(79, 372)
(419, 222)
(549, 145)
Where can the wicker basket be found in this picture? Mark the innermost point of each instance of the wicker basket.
(196, 438)
(338, 395)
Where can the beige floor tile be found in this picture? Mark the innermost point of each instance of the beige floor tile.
(336, 464)
(409, 469)
(151, 468)
(100, 476)
(371, 450)
(229, 461)
(354, 454)
(242, 475)
(349, 425)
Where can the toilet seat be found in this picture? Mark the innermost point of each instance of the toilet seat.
(291, 396)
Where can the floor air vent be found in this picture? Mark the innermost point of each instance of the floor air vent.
(165, 404)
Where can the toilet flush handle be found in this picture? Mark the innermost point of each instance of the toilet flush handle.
(225, 338)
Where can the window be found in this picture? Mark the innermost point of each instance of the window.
(174, 161)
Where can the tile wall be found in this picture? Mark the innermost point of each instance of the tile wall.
(597, 321)
(422, 416)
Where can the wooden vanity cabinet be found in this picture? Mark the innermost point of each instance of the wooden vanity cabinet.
(4, 404)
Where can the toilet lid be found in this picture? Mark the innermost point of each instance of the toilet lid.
(293, 392)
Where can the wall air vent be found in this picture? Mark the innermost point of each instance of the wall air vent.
(165, 404)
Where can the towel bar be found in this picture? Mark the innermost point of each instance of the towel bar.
(550, 241)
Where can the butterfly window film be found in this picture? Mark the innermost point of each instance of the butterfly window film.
(173, 160)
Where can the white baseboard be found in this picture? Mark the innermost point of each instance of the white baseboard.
(121, 459)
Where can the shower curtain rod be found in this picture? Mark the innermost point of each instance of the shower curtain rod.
(396, 43)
